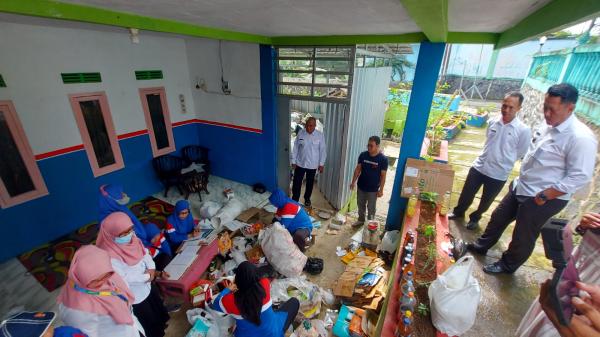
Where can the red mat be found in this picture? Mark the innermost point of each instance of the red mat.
(49, 263)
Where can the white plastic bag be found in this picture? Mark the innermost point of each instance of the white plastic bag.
(203, 323)
(209, 209)
(281, 251)
(209, 323)
(305, 291)
(228, 213)
(223, 322)
(389, 243)
(455, 289)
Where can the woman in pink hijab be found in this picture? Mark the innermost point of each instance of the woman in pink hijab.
(134, 264)
(95, 299)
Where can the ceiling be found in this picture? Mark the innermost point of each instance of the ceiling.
(276, 17)
(324, 17)
(325, 22)
(489, 15)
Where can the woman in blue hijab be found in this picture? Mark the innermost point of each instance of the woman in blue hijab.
(113, 199)
(180, 224)
(293, 217)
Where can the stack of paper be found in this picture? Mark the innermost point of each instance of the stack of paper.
(182, 261)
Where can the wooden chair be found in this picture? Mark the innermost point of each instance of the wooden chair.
(168, 168)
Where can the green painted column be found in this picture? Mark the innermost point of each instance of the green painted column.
(492, 65)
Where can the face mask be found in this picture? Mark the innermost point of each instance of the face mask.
(123, 201)
(123, 240)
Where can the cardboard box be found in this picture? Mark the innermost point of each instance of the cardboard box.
(427, 176)
(254, 215)
(248, 214)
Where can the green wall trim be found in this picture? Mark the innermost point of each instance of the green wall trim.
(490, 71)
(346, 39)
(73, 12)
(553, 16)
(469, 37)
(431, 16)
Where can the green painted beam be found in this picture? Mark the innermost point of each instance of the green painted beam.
(339, 40)
(73, 12)
(477, 38)
(431, 16)
(492, 66)
(555, 15)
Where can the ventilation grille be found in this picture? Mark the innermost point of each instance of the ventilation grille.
(69, 78)
(142, 75)
(2, 83)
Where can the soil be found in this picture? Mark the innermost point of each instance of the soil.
(435, 149)
(422, 324)
(426, 269)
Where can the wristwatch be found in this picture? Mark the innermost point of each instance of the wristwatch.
(542, 196)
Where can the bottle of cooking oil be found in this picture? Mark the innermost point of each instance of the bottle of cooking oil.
(445, 204)
(412, 205)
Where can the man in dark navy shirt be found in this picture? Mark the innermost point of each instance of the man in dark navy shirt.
(370, 173)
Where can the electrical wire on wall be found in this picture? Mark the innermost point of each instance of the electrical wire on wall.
(225, 90)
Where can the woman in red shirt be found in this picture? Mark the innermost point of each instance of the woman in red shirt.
(248, 300)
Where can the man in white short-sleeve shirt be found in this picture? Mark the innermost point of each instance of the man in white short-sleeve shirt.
(308, 156)
(507, 140)
(560, 161)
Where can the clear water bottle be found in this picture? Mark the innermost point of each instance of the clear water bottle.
(408, 302)
(408, 287)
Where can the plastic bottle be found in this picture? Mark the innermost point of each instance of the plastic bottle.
(445, 204)
(404, 328)
(408, 288)
(408, 302)
(409, 268)
(408, 249)
(407, 276)
(411, 208)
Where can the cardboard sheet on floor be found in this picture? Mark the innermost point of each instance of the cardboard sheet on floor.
(254, 215)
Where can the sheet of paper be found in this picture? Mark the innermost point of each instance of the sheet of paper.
(175, 271)
(235, 225)
(190, 250)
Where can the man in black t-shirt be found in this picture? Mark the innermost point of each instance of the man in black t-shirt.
(370, 173)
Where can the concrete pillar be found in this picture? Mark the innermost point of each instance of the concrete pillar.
(426, 76)
(565, 67)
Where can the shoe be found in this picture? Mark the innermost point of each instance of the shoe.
(307, 203)
(358, 223)
(452, 216)
(171, 308)
(473, 247)
(472, 225)
(496, 268)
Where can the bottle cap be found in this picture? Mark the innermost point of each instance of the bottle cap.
(408, 314)
(409, 273)
(406, 321)
(411, 294)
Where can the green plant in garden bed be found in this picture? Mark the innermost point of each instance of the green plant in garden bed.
(429, 231)
(423, 309)
(429, 196)
(431, 257)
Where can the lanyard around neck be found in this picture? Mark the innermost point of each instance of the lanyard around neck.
(100, 293)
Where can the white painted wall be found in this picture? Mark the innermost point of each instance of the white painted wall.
(241, 68)
(33, 55)
(32, 58)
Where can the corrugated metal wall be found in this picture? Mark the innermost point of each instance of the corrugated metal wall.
(334, 132)
(367, 111)
(317, 109)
